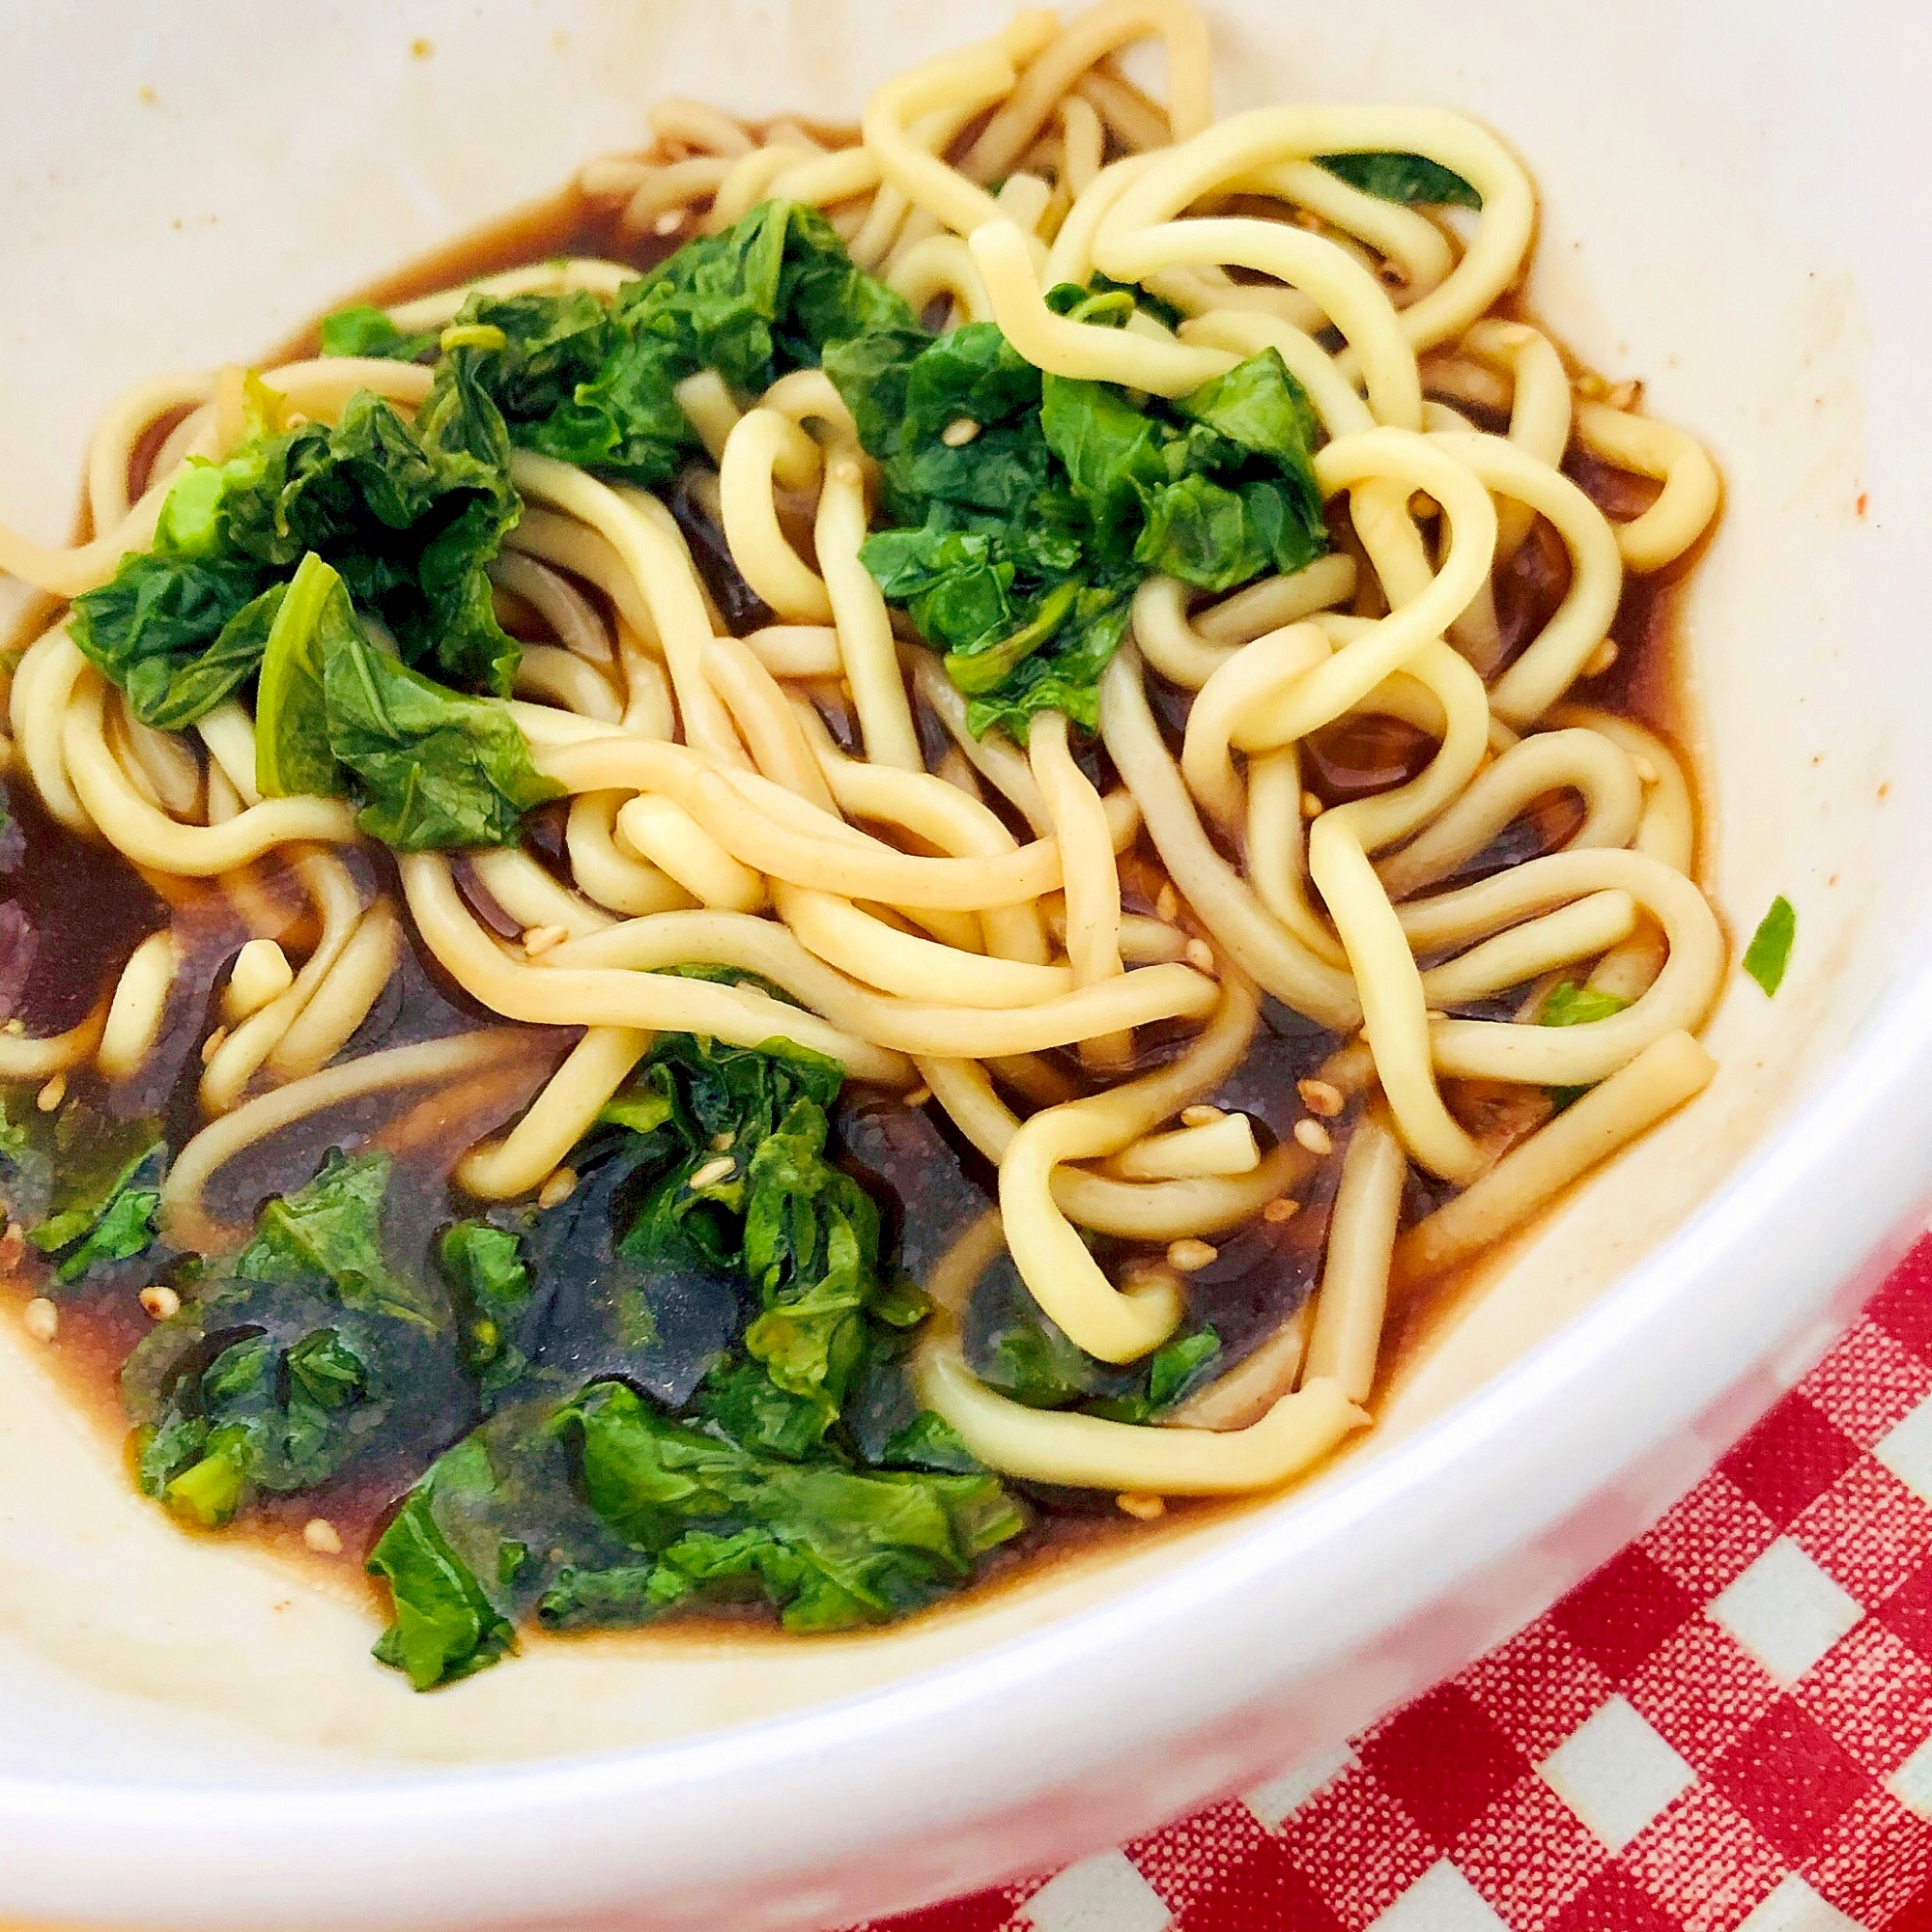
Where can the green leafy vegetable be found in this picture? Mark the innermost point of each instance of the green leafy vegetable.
(104, 1189)
(366, 330)
(1406, 178)
(1571, 1004)
(491, 1286)
(829, 1547)
(1769, 952)
(434, 768)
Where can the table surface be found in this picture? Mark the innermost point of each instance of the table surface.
(1728, 1728)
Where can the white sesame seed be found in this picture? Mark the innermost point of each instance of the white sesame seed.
(541, 938)
(1600, 658)
(161, 1302)
(1281, 1208)
(711, 1173)
(558, 1188)
(51, 1095)
(1646, 772)
(1313, 1136)
(42, 1318)
(1145, 1508)
(1200, 955)
(212, 1045)
(959, 432)
(1199, 1116)
(1167, 904)
(1190, 1254)
(920, 1097)
(722, 1139)
(1311, 805)
(669, 222)
(1320, 1096)
(322, 1536)
(17, 1026)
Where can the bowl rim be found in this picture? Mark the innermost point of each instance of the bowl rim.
(1753, 1284)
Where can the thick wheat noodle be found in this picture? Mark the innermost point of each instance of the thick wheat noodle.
(1540, 408)
(1682, 512)
(1024, 200)
(1136, 123)
(661, 832)
(170, 768)
(233, 1064)
(822, 178)
(607, 873)
(562, 1113)
(944, 816)
(1277, 857)
(765, 450)
(110, 450)
(559, 677)
(36, 704)
(697, 124)
(863, 624)
(1349, 1308)
(150, 838)
(1660, 1079)
(140, 1001)
(1254, 1384)
(796, 650)
(1083, 143)
(748, 183)
(1580, 930)
(909, 967)
(1101, 31)
(965, 81)
(1253, 671)
(1243, 928)
(663, 575)
(766, 721)
(570, 615)
(1116, 1324)
(1092, 881)
(1238, 145)
(1581, 622)
(1575, 1056)
(184, 1220)
(575, 547)
(1215, 1148)
(366, 967)
(533, 896)
(1584, 762)
(993, 756)
(941, 265)
(1189, 649)
(765, 947)
(852, 864)
(544, 994)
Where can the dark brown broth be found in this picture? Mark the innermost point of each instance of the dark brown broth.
(97, 909)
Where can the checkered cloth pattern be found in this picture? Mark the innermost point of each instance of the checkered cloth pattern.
(1728, 1728)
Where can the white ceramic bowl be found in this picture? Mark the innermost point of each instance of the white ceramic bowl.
(1732, 210)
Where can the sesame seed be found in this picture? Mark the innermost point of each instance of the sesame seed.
(1200, 1117)
(669, 222)
(1313, 1136)
(959, 432)
(722, 1139)
(1600, 658)
(711, 1173)
(42, 1318)
(1200, 955)
(1167, 904)
(51, 1095)
(1311, 805)
(1646, 772)
(1147, 1509)
(17, 1026)
(1189, 1254)
(161, 1302)
(541, 938)
(212, 1045)
(1320, 1096)
(1283, 1208)
(558, 1188)
(920, 1097)
(322, 1536)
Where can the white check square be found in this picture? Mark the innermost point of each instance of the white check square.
(1103, 1894)
(1786, 1611)
(1615, 1773)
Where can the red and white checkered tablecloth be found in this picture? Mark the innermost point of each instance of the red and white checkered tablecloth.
(1728, 1728)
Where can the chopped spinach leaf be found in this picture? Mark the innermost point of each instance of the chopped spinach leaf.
(1769, 952)
(1412, 179)
(366, 330)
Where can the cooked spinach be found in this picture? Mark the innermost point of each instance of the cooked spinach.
(96, 1181)
(1411, 179)
(1571, 1004)
(434, 769)
(1769, 952)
